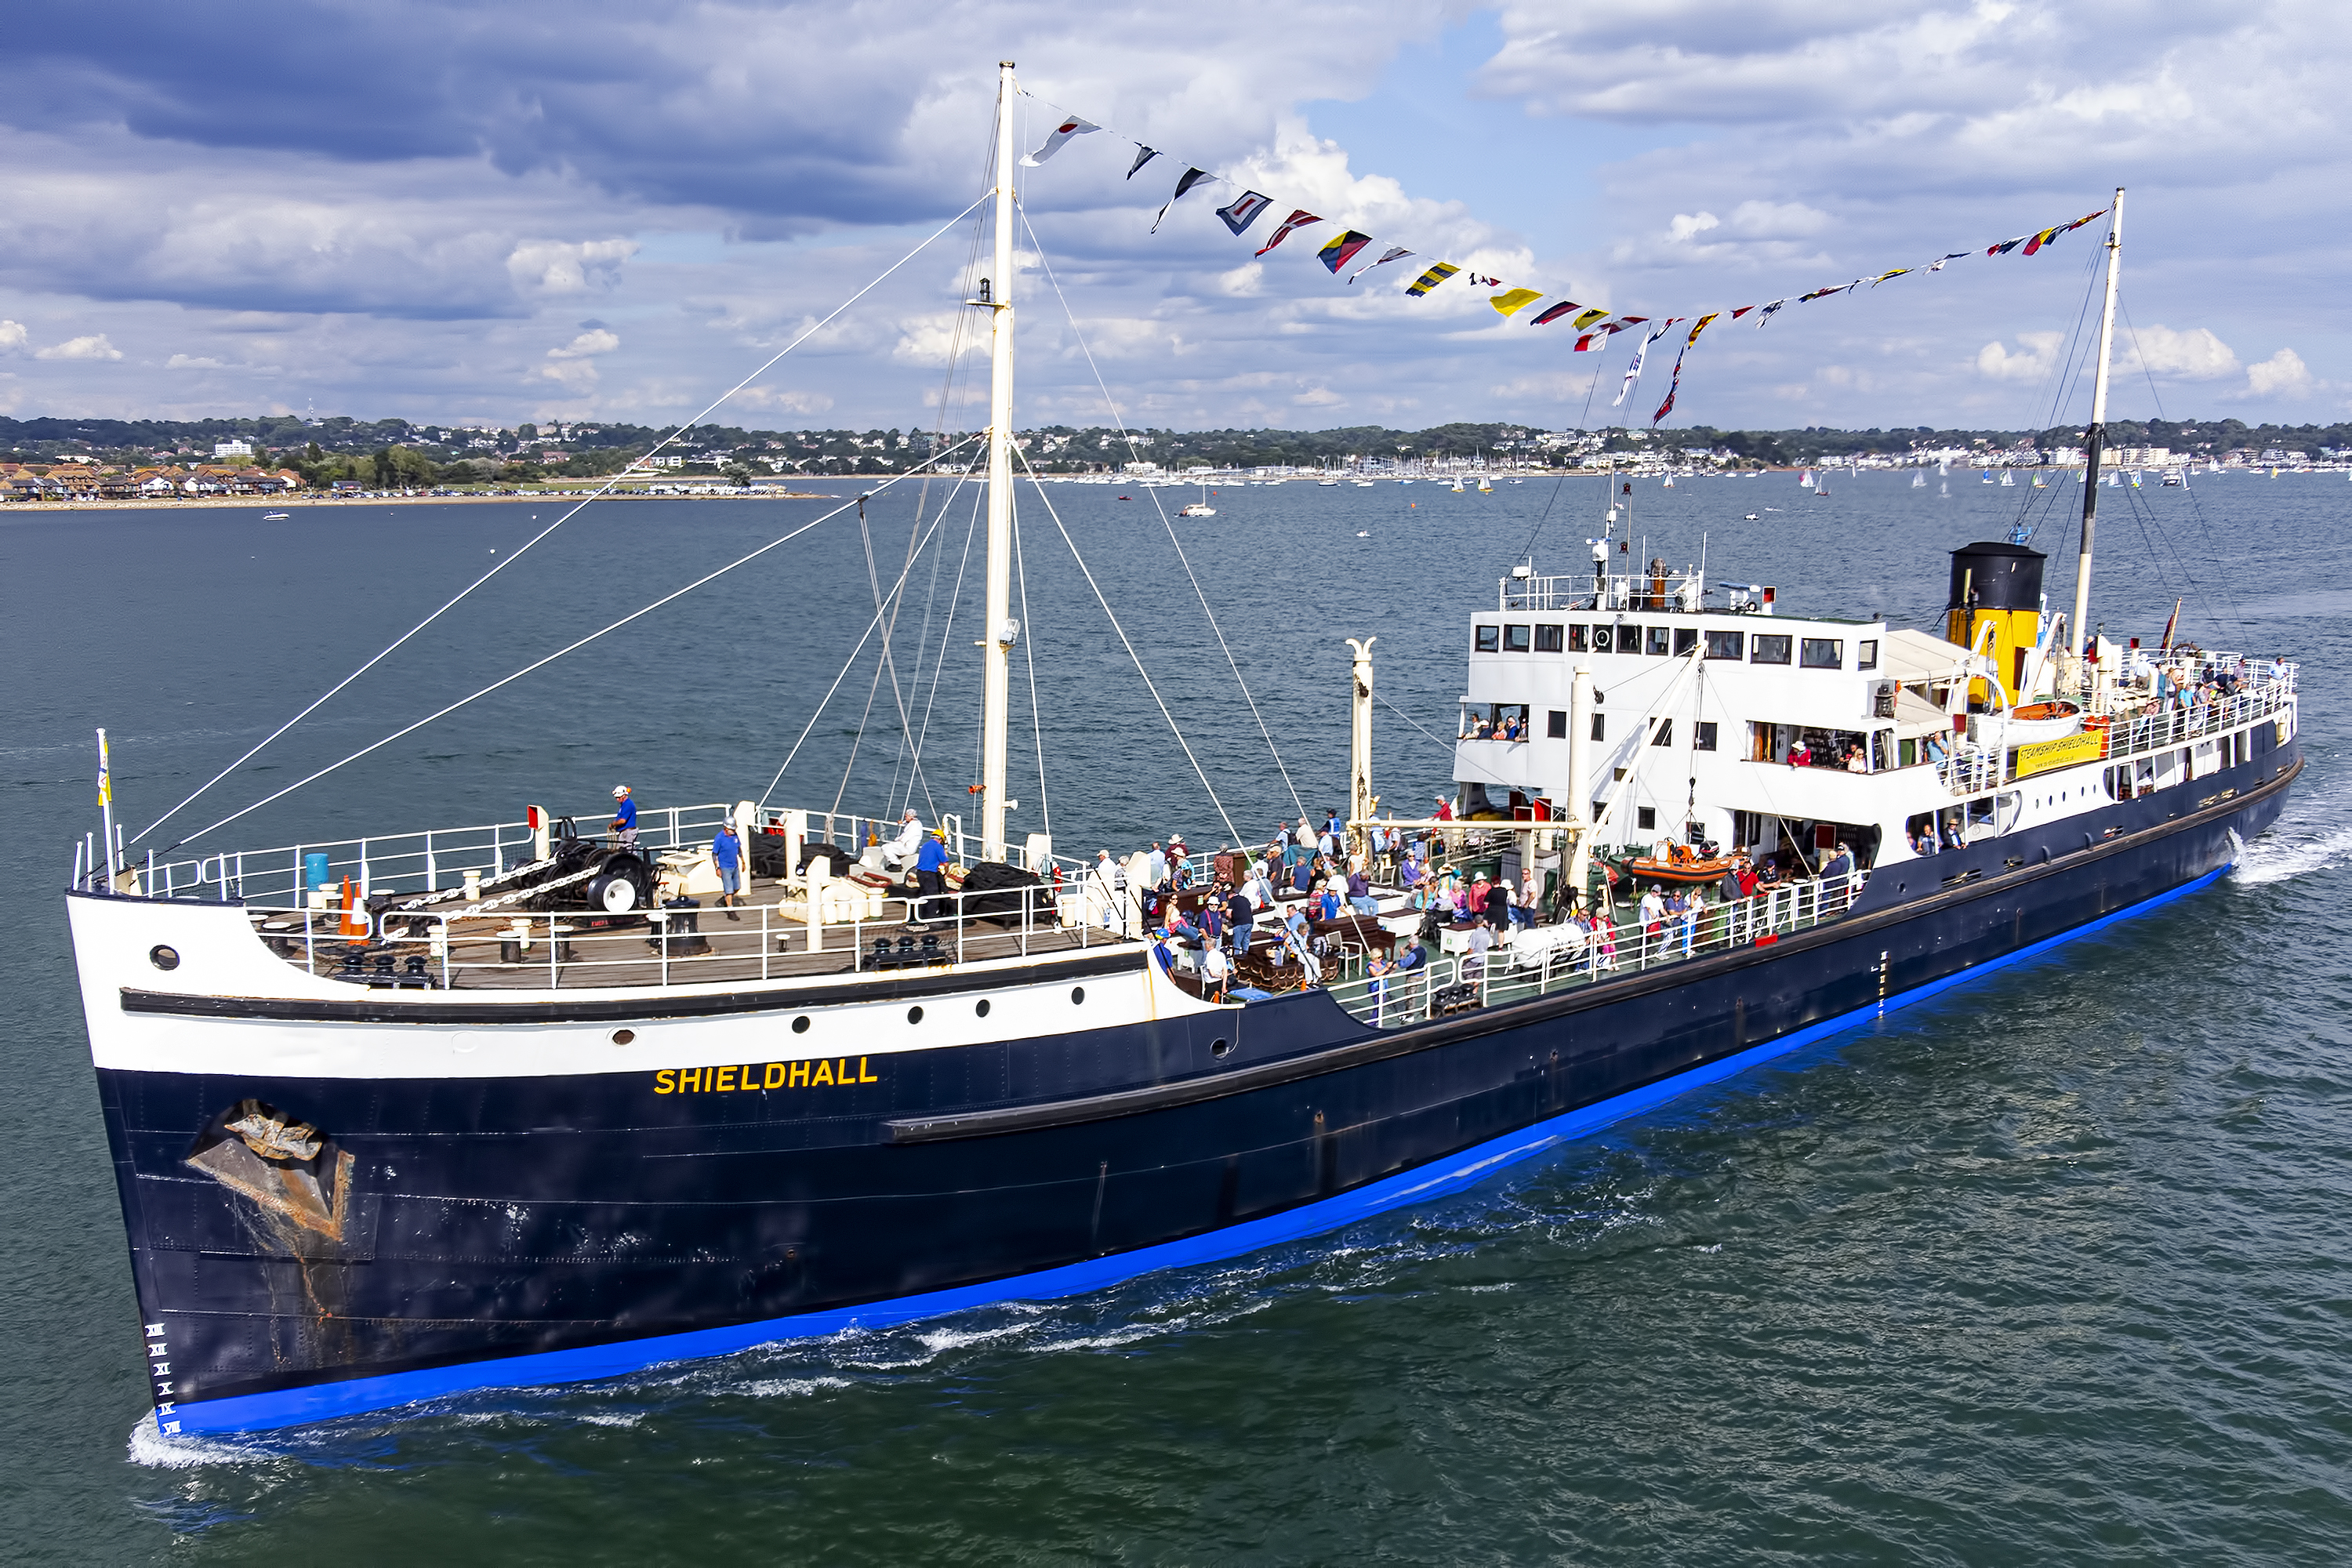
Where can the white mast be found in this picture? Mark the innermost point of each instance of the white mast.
(1001, 628)
(2098, 433)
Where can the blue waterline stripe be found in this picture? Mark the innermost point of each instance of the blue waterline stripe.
(296, 1406)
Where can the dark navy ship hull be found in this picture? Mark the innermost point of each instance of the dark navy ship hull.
(513, 1231)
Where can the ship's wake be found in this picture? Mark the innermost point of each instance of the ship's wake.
(2318, 843)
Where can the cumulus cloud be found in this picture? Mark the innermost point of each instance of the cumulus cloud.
(194, 362)
(93, 346)
(2192, 355)
(2284, 375)
(2039, 354)
(13, 336)
(552, 267)
(597, 341)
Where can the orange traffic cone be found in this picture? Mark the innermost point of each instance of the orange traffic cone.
(354, 923)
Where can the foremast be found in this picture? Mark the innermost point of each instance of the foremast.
(2077, 632)
(996, 293)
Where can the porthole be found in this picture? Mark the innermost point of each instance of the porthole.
(1077, 994)
(914, 1015)
(622, 1036)
(164, 957)
(980, 1009)
(1220, 1047)
(800, 1025)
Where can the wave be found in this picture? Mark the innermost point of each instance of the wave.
(2288, 851)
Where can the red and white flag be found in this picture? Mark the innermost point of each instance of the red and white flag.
(1298, 219)
(1060, 138)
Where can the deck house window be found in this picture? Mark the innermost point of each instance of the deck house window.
(1646, 818)
(1600, 726)
(1515, 639)
(1486, 640)
(1556, 727)
(1686, 639)
(1548, 639)
(1703, 735)
(1580, 638)
(1823, 653)
(1726, 645)
(1771, 649)
(1659, 638)
(1865, 654)
(1666, 735)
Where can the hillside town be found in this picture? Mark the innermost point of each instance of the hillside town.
(118, 461)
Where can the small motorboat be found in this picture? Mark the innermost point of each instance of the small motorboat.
(273, 516)
(1683, 867)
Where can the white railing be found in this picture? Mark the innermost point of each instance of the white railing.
(1453, 983)
(1976, 768)
(478, 949)
(436, 859)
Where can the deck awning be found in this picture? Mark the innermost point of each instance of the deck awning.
(1916, 658)
(1915, 716)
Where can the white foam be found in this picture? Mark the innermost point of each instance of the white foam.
(785, 1387)
(2278, 855)
(187, 1451)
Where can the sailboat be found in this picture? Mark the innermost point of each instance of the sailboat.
(1485, 486)
(1806, 478)
(1199, 508)
(414, 1114)
(2008, 481)
(1919, 482)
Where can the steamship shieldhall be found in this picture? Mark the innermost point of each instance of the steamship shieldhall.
(423, 1113)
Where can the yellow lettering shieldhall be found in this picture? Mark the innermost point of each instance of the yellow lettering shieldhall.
(758, 1077)
(2064, 752)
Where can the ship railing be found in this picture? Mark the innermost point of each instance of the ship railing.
(1973, 768)
(437, 860)
(1453, 983)
(682, 944)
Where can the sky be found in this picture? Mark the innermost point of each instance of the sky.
(490, 213)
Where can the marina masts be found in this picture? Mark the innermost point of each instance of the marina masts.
(2098, 431)
(997, 294)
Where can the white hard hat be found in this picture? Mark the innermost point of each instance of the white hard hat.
(620, 790)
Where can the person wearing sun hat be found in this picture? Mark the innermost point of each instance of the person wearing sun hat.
(624, 818)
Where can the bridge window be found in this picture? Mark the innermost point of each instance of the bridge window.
(1685, 638)
(1548, 639)
(1515, 639)
(1580, 638)
(1823, 653)
(1726, 645)
(1659, 638)
(1865, 654)
(1486, 639)
(1772, 650)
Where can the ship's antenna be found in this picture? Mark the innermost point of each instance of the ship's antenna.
(997, 639)
(2098, 431)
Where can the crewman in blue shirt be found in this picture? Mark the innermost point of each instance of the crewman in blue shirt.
(624, 818)
(727, 855)
(931, 868)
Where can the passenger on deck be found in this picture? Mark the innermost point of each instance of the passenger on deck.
(899, 852)
(1240, 915)
(1856, 759)
(1159, 859)
(1302, 877)
(1360, 891)
(1801, 755)
(624, 818)
(1327, 902)
(1215, 969)
(1837, 872)
(727, 859)
(1497, 905)
(931, 874)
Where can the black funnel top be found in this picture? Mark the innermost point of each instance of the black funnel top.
(1998, 577)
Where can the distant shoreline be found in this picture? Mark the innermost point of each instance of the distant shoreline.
(266, 503)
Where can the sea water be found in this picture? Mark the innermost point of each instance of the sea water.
(2053, 1268)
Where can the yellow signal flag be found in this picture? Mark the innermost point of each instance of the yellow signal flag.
(1511, 301)
(1587, 318)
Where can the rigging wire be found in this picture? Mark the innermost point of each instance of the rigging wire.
(2066, 369)
(390, 647)
(2229, 602)
(1118, 420)
(846, 666)
(1110, 615)
(527, 669)
(947, 630)
(1525, 551)
(1029, 651)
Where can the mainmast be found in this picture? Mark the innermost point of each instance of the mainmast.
(2075, 632)
(996, 291)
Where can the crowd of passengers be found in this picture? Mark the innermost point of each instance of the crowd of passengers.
(1290, 899)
